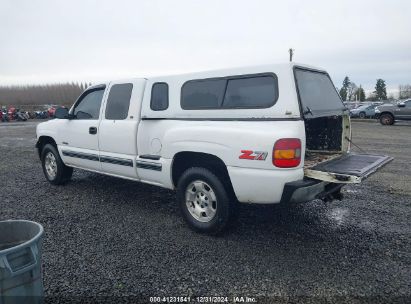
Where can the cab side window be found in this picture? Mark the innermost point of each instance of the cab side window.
(89, 106)
(118, 101)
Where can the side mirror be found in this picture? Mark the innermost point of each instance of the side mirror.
(401, 105)
(62, 113)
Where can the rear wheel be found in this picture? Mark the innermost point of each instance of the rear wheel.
(386, 119)
(204, 201)
(55, 171)
(362, 115)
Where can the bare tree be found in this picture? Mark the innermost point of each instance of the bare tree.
(351, 90)
(59, 94)
(404, 91)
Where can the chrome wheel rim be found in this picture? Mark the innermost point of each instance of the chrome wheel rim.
(201, 201)
(51, 165)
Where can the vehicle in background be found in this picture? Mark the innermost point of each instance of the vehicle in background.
(51, 111)
(4, 115)
(11, 113)
(351, 105)
(32, 115)
(363, 111)
(26, 114)
(389, 113)
(41, 114)
(20, 116)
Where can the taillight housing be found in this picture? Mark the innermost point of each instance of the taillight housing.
(287, 153)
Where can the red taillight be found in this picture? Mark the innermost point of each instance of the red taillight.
(287, 153)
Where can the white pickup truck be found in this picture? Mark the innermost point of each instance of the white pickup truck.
(271, 134)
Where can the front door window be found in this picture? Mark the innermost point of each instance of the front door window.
(89, 106)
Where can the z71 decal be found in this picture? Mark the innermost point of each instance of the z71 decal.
(253, 155)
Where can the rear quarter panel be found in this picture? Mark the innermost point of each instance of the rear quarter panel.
(254, 181)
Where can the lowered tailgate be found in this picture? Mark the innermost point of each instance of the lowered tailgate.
(348, 168)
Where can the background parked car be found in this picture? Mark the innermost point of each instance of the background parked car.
(363, 111)
(389, 113)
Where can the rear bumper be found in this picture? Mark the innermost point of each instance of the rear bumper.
(309, 189)
(258, 186)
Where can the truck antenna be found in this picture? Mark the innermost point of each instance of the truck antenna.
(291, 51)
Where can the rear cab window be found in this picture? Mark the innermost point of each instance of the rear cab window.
(118, 101)
(236, 92)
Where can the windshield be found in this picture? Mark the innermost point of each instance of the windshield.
(318, 95)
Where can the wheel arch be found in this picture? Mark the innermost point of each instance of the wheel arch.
(387, 112)
(187, 159)
(44, 140)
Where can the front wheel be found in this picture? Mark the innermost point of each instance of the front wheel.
(362, 115)
(204, 201)
(55, 171)
(386, 119)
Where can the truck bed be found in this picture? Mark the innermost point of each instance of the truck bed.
(313, 158)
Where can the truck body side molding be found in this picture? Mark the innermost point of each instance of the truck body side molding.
(148, 165)
(102, 158)
(116, 161)
(81, 155)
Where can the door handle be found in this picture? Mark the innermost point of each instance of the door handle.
(92, 130)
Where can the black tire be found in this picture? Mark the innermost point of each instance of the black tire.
(63, 173)
(386, 119)
(362, 115)
(225, 206)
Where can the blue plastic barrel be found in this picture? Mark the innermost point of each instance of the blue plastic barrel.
(20, 262)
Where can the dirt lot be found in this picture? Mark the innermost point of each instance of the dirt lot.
(116, 238)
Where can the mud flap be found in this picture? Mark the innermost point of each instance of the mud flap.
(348, 168)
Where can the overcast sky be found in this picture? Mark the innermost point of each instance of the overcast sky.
(55, 41)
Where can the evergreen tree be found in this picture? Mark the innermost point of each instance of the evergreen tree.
(381, 89)
(344, 88)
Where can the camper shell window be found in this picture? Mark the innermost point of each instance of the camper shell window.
(235, 92)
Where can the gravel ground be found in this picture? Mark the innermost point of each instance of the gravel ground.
(116, 238)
